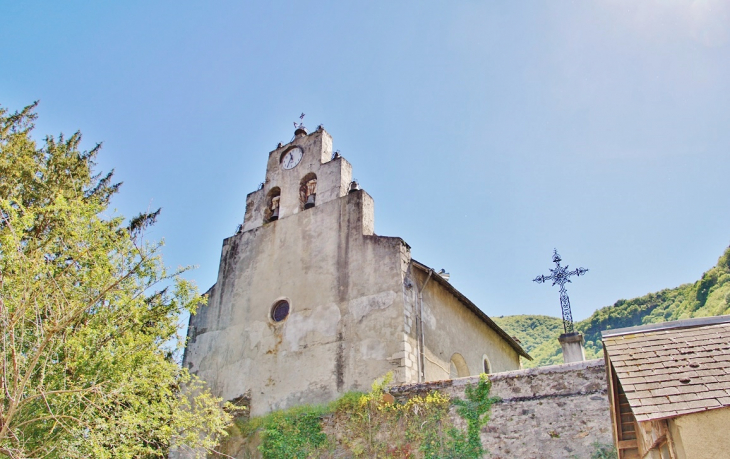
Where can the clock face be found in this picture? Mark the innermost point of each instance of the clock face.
(291, 158)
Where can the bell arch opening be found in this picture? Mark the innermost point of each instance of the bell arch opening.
(271, 213)
(308, 191)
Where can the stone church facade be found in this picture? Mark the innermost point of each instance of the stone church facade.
(310, 303)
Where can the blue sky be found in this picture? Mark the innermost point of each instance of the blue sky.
(488, 133)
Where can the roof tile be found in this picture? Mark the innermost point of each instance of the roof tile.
(666, 391)
(712, 394)
(704, 403)
(682, 398)
(692, 388)
(673, 371)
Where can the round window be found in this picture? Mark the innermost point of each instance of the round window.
(280, 311)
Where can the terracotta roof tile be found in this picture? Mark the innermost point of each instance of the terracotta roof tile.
(672, 371)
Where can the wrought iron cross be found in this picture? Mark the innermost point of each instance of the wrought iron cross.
(560, 275)
(301, 122)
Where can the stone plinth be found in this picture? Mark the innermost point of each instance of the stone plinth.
(572, 344)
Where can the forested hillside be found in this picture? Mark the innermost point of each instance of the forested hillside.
(709, 296)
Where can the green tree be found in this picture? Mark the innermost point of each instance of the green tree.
(87, 312)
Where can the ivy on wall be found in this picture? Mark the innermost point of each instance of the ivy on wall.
(377, 425)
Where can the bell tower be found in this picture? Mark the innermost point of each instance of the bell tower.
(309, 303)
(305, 291)
(299, 175)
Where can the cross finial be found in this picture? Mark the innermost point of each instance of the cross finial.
(299, 127)
(301, 121)
(561, 276)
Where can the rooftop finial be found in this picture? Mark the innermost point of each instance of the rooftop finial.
(299, 128)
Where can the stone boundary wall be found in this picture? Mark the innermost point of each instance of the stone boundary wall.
(559, 411)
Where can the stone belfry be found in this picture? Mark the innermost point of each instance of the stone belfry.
(310, 303)
(298, 312)
(300, 175)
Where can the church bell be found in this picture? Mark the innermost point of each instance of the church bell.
(274, 208)
(310, 201)
(354, 186)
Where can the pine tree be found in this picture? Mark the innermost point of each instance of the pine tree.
(87, 312)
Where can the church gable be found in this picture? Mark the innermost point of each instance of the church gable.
(310, 303)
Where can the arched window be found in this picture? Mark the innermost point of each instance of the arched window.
(271, 213)
(458, 368)
(486, 366)
(308, 190)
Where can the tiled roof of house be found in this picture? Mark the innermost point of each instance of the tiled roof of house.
(675, 368)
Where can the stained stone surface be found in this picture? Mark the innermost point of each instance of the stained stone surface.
(559, 411)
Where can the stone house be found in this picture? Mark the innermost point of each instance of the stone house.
(310, 303)
(669, 388)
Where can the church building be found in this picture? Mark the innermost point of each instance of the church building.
(310, 303)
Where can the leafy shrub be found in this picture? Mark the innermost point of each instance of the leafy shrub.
(378, 426)
(603, 451)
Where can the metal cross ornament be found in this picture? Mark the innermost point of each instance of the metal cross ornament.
(301, 122)
(560, 275)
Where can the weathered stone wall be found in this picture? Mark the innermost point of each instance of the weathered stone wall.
(451, 328)
(345, 291)
(558, 411)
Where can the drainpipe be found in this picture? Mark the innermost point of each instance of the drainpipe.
(421, 339)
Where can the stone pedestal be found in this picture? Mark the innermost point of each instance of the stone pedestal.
(572, 344)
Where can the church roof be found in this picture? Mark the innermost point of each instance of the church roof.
(673, 368)
(473, 308)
